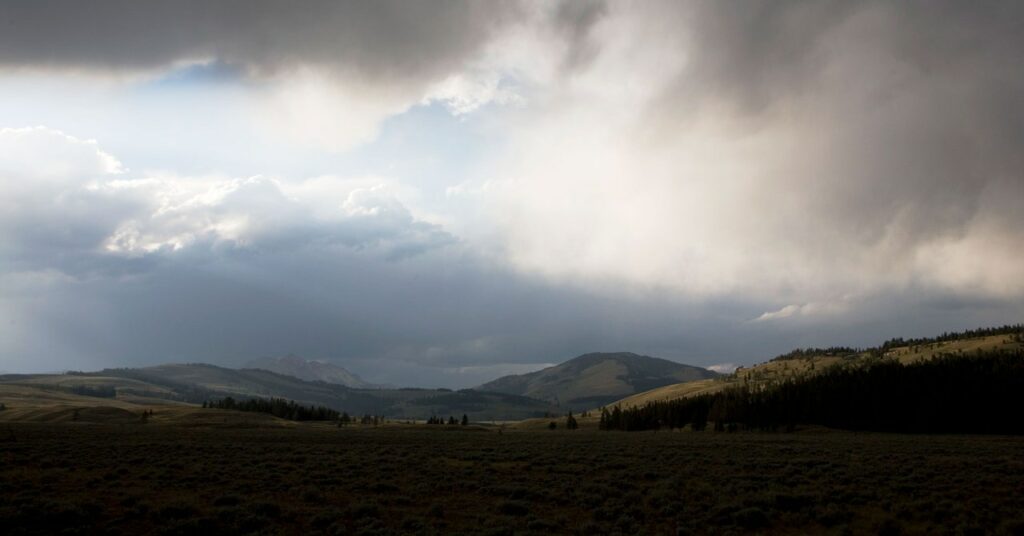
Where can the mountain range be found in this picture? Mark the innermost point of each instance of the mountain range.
(585, 382)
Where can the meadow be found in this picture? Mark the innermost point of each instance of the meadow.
(310, 479)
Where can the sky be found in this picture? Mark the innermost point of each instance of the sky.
(439, 193)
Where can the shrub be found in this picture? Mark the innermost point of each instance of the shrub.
(751, 518)
(513, 508)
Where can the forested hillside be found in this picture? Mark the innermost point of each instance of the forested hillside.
(948, 394)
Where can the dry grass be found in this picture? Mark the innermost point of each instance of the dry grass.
(967, 347)
(68, 478)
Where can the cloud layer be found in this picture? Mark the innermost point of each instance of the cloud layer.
(706, 181)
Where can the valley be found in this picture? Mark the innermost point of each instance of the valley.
(123, 451)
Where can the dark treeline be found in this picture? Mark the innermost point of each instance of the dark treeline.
(345, 419)
(100, 391)
(278, 407)
(801, 353)
(451, 420)
(1009, 329)
(948, 394)
(1017, 330)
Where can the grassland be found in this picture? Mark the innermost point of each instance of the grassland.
(162, 478)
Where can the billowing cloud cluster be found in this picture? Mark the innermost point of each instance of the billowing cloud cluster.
(67, 208)
(641, 176)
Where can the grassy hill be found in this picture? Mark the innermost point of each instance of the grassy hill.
(596, 379)
(803, 363)
(191, 384)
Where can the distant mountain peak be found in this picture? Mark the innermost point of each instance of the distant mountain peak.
(304, 369)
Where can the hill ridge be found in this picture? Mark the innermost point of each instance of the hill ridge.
(309, 370)
(809, 361)
(596, 378)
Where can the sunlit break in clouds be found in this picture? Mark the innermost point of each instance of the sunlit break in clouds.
(438, 193)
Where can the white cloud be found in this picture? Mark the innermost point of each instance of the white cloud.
(814, 310)
(784, 312)
(464, 93)
(67, 202)
(50, 157)
(317, 109)
(724, 368)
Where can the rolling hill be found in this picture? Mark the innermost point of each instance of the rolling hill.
(304, 369)
(596, 379)
(190, 384)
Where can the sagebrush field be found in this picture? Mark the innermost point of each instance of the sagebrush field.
(135, 479)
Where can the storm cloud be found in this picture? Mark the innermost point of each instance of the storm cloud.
(456, 190)
(807, 152)
(388, 40)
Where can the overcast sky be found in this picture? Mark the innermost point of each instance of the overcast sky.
(438, 193)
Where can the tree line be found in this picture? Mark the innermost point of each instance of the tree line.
(451, 420)
(1009, 329)
(948, 394)
(1016, 330)
(99, 391)
(345, 419)
(278, 407)
(802, 353)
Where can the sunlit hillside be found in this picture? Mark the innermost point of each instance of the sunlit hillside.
(793, 368)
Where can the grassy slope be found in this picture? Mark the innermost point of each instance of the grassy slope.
(794, 368)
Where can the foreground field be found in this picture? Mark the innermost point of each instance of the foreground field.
(306, 479)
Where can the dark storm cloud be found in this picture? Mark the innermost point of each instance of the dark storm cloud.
(575, 20)
(440, 319)
(909, 115)
(414, 320)
(761, 52)
(381, 39)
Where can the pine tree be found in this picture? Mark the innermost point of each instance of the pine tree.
(570, 422)
(465, 420)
